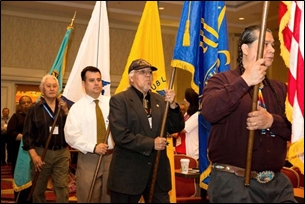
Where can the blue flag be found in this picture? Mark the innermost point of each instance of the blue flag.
(202, 49)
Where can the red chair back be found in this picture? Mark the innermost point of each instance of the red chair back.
(292, 175)
(300, 175)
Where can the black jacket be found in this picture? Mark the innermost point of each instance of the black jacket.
(134, 155)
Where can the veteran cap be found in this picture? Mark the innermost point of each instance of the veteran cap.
(140, 64)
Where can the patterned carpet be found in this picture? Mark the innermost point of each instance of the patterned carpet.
(7, 193)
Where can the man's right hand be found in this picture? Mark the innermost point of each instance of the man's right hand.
(160, 143)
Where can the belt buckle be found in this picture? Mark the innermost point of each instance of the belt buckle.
(265, 176)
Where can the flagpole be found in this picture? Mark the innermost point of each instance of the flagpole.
(18, 195)
(157, 159)
(97, 168)
(259, 55)
(44, 153)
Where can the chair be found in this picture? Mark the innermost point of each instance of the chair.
(300, 175)
(292, 175)
(186, 188)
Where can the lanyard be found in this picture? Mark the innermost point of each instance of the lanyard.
(50, 114)
(261, 102)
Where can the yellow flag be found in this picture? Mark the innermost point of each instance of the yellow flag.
(148, 45)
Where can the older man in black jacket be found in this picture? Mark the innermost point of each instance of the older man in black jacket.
(135, 123)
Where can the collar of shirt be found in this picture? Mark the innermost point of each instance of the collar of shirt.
(140, 94)
(91, 100)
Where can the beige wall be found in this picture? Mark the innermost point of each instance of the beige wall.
(29, 47)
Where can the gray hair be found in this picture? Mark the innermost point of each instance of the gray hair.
(130, 75)
(43, 80)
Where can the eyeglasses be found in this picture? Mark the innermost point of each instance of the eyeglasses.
(144, 72)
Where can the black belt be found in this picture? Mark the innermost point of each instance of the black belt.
(53, 148)
(262, 177)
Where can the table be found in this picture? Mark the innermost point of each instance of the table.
(191, 174)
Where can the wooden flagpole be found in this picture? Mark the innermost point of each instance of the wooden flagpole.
(97, 168)
(157, 159)
(259, 55)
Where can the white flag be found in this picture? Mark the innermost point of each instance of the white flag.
(93, 51)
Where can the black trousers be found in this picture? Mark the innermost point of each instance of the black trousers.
(5, 148)
(159, 196)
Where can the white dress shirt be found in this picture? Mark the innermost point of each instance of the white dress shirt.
(80, 127)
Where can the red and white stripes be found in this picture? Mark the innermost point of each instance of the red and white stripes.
(291, 36)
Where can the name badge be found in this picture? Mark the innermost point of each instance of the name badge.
(150, 122)
(55, 132)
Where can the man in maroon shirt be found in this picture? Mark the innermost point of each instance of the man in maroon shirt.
(226, 104)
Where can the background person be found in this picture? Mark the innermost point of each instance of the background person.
(135, 122)
(37, 126)
(5, 145)
(81, 134)
(15, 130)
(187, 141)
(226, 104)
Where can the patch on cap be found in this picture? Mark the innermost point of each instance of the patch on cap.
(140, 64)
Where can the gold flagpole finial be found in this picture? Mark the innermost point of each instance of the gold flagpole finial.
(72, 20)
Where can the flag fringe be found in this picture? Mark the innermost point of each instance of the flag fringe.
(22, 187)
(289, 110)
(188, 67)
(284, 52)
(204, 175)
(295, 152)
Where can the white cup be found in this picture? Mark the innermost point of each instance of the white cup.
(184, 165)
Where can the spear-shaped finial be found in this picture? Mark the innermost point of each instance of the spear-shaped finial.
(72, 20)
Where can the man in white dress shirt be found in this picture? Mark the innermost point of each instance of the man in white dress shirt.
(81, 134)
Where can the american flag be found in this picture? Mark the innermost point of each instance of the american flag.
(291, 36)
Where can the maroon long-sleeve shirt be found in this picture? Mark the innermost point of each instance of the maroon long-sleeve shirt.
(225, 104)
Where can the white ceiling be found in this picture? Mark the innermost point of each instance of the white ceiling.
(127, 14)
